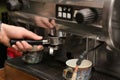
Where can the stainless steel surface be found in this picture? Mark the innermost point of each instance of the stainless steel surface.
(102, 29)
(111, 23)
(58, 33)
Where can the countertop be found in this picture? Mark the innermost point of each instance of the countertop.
(2, 75)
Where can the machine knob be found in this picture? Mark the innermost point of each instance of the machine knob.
(86, 15)
(14, 5)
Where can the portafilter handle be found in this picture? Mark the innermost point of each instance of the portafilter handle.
(50, 41)
(31, 42)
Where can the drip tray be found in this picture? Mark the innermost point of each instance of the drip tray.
(49, 69)
(100, 76)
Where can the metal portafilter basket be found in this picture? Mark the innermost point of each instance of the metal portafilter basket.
(32, 57)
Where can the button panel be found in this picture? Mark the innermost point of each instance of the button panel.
(64, 12)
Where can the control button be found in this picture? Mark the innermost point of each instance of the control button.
(64, 9)
(68, 15)
(64, 15)
(59, 14)
(59, 8)
(69, 9)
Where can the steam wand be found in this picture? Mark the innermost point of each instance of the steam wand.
(81, 57)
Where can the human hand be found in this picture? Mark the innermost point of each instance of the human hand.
(14, 32)
(44, 22)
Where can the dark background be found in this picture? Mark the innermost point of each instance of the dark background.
(3, 49)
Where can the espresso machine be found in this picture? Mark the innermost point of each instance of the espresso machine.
(81, 26)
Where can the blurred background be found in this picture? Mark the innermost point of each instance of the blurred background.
(3, 49)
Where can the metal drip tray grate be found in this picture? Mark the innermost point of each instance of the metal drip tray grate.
(101, 76)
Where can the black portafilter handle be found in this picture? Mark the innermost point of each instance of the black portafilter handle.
(31, 42)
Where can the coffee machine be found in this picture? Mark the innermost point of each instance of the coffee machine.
(82, 25)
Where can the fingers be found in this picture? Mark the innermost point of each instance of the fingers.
(44, 22)
(47, 23)
(19, 46)
(53, 22)
(30, 35)
(37, 48)
(24, 46)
